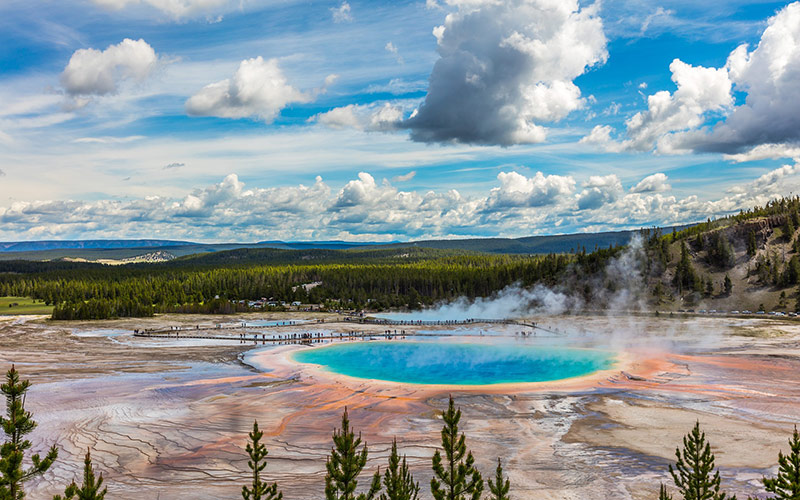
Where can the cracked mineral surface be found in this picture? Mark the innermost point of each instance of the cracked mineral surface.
(168, 418)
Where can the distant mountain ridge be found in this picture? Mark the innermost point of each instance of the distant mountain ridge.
(35, 246)
(559, 243)
(98, 250)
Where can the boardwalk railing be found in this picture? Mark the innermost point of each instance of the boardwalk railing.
(195, 331)
(427, 322)
(288, 338)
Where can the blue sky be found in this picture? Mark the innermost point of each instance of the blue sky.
(247, 120)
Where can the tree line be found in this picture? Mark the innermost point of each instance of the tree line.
(404, 277)
(99, 292)
(455, 476)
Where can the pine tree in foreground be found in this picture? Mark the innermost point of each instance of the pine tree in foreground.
(258, 453)
(345, 464)
(786, 485)
(499, 489)
(16, 424)
(397, 480)
(456, 478)
(693, 471)
(90, 489)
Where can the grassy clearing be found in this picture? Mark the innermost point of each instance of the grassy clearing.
(24, 305)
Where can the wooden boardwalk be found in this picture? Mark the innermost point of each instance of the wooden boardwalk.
(220, 332)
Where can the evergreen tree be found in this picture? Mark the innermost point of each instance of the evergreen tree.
(699, 242)
(693, 471)
(397, 480)
(727, 285)
(788, 229)
(720, 252)
(662, 493)
(90, 489)
(345, 464)
(685, 276)
(457, 478)
(16, 424)
(791, 273)
(258, 454)
(786, 485)
(500, 487)
(752, 246)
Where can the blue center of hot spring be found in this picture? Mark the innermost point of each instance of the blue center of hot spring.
(455, 363)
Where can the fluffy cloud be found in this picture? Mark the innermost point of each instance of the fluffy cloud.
(367, 209)
(599, 191)
(507, 67)
(765, 125)
(652, 184)
(770, 75)
(95, 72)
(516, 190)
(362, 117)
(765, 151)
(700, 91)
(363, 191)
(601, 136)
(257, 89)
(772, 180)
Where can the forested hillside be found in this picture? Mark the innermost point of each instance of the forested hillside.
(385, 278)
(748, 261)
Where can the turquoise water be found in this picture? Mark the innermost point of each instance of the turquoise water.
(455, 363)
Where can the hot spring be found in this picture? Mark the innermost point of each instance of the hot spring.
(449, 363)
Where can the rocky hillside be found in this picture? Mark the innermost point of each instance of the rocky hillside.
(747, 262)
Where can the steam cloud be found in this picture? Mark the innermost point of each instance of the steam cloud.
(621, 287)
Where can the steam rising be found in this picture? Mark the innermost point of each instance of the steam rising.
(621, 287)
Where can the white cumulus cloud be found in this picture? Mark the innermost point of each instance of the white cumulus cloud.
(367, 209)
(770, 75)
(701, 115)
(652, 184)
(599, 191)
(765, 151)
(505, 68)
(258, 89)
(700, 90)
(362, 117)
(517, 190)
(96, 72)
